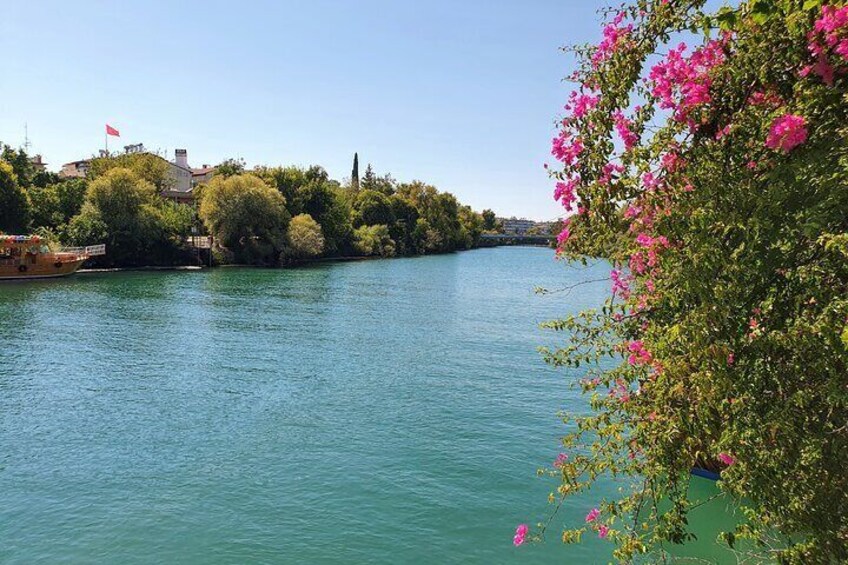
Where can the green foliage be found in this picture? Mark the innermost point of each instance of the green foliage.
(123, 210)
(305, 239)
(370, 181)
(54, 205)
(490, 221)
(354, 174)
(372, 208)
(471, 227)
(146, 166)
(726, 348)
(14, 203)
(246, 216)
(230, 167)
(374, 240)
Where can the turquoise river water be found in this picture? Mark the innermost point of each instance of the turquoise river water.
(367, 412)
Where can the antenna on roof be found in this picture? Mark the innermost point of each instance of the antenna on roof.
(27, 144)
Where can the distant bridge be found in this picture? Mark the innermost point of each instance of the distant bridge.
(492, 239)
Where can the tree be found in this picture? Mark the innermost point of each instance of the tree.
(54, 205)
(402, 230)
(720, 201)
(471, 227)
(230, 167)
(147, 166)
(354, 175)
(14, 204)
(490, 221)
(246, 216)
(374, 240)
(305, 239)
(122, 210)
(372, 208)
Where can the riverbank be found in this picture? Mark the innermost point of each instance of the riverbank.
(303, 263)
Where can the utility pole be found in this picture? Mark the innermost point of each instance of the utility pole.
(27, 144)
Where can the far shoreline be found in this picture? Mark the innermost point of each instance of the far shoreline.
(306, 263)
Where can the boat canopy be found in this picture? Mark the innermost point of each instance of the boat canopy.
(18, 240)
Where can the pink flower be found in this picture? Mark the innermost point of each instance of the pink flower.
(822, 68)
(520, 533)
(624, 127)
(608, 171)
(566, 149)
(639, 354)
(829, 37)
(730, 358)
(560, 460)
(620, 285)
(563, 236)
(565, 192)
(672, 162)
(614, 36)
(592, 515)
(787, 132)
(603, 531)
(682, 84)
(726, 459)
(644, 240)
(579, 104)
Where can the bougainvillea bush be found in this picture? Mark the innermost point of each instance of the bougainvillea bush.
(705, 155)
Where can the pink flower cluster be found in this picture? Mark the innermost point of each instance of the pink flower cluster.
(829, 35)
(726, 459)
(560, 460)
(614, 36)
(565, 192)
(592, 515)
(672, 162)
(565, 233)
(520, 534)
(620, 391)
(567, 149)
(620, 284)
(639, 355)
(579, 104)
(787, 132)
(608, 171)
(682, 84)
(624, 127)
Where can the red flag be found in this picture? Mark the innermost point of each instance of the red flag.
(112, 131)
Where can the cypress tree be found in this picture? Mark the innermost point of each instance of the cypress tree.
(354, 176)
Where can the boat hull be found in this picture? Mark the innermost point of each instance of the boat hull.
(40, 270)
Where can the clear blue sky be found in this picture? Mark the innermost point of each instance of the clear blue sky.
(459, 94)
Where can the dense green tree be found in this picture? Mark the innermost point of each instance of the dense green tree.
(305, 239)
(14, 202)
(325, 202)
(149, 167)
(54, 205)
(247, 217)
(230, 167)
(374, 240)
(403, 228)
(123, 210)
(471, 227)
(372, 208)
(490, 220)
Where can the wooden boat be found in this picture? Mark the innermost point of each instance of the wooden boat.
(29, 257)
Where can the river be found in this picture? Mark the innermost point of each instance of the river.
(387, 411)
